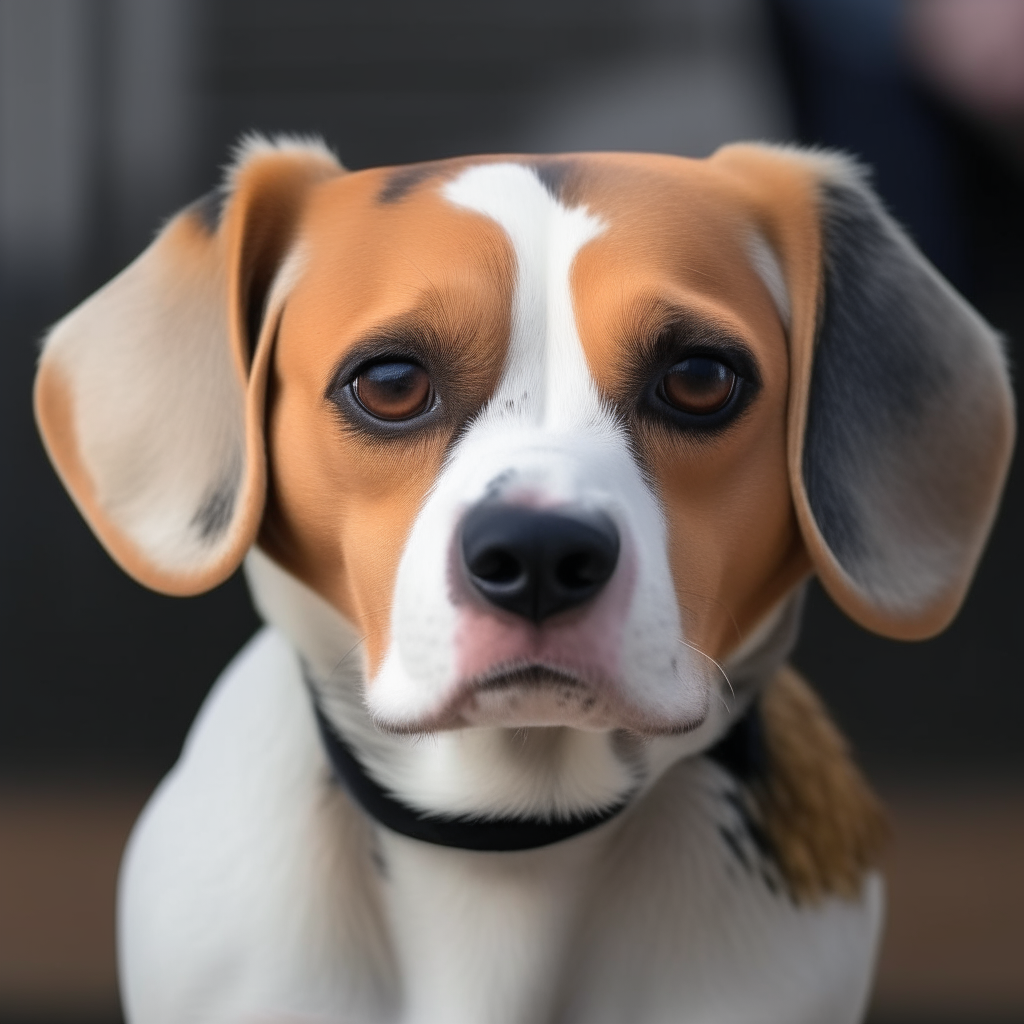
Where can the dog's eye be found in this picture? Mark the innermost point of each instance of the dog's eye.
(699, 386)
(393, 391)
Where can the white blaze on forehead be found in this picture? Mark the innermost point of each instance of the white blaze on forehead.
(547, 381)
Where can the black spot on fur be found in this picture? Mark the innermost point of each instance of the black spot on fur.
(557, 176)
(740, 803)
(402, 181)
(743, 753)
(377, 857)
(735, 845)
(214, 515)
(207, 209)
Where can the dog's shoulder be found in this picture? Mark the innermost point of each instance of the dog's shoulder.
(824, 825)
(248, 856)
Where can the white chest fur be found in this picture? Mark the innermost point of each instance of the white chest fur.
(250, 892)
(484, 937)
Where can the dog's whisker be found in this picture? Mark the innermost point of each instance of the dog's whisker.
(725, 675)
(337, 668)
(725, 703)
(718, 603)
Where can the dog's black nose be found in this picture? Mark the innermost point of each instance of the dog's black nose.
(537, 563)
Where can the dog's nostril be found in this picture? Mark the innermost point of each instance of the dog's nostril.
(493, 565)
(583, 569)
(537, 563)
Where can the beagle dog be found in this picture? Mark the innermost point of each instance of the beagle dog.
(527, 460)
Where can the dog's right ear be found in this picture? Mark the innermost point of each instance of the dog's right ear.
(901, 414)
(150, 395)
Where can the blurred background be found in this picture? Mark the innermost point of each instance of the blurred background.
(114, 113)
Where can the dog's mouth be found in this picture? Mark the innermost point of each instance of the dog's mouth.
(528, 676)
(535, 694)
(526, 694)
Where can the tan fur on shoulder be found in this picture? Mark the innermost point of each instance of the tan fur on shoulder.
(826, 826)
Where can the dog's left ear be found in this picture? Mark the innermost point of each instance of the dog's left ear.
(150, 395)
(900, 423)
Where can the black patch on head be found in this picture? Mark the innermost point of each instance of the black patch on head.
(558, 176)
(402, 181)
(214, 514)
(207, 209)
(876, 369)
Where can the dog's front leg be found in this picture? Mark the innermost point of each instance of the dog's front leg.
(482, 936)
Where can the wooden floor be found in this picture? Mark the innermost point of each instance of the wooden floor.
(59, 851)
(954, 950)
(954, 945)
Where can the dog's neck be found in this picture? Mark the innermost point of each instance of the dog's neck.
(492, 834)
(540, 774)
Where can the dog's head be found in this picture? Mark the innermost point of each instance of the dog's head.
(554, 435)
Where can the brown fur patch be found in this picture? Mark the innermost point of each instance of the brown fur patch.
(826, 826)
(437, 280)
(675, 250)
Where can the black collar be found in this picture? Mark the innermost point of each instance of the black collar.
(464, 833)
(504, 834)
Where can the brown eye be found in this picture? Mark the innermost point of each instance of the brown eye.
(698, 386)
(394, 391)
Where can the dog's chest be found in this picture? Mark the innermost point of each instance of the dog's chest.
(672, 915)
(482, 937)
(249, 857)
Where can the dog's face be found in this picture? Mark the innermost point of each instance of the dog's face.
(481, 359)
(554, 435)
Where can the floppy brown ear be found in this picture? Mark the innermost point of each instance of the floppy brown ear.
(901, 418)
(150, 395)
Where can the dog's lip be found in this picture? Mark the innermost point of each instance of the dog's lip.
(526, 674)
(602, 706)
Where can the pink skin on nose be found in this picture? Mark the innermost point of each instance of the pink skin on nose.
(584, 642)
